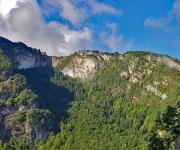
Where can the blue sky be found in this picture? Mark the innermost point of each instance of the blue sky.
(119, 25)
(130, 24)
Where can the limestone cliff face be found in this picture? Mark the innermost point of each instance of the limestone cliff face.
(135, 68)
(22, 56)
(29, 59)
(169, 62)
(14, 87)
(29, 127)
(83, 64)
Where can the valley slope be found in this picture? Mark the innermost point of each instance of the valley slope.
(100, 100)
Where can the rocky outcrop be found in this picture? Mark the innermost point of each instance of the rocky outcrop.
(25, 122)
(84, 64)
(4, 75)
(154, 90)
(22, 56)
(39, 124)
(169, 62)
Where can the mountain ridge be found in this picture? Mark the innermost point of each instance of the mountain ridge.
(44, 60)
(22, 56)
(83, 63)
(94, 96)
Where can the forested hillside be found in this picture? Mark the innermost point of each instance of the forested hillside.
(120, 105)
(88, 100)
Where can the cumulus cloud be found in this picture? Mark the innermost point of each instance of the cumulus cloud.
(24, 23)
(7, 5)
(23, 20)
(165, 21)
(113, 40)
(72, 11)
(167, 27)
(155, 23)
(98, 7)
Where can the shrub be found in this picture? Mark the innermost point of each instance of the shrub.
(27, 96)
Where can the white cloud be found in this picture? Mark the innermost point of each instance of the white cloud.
(7, 5)
(24, 23)
(22, 20)
(156, 23)
(167, 27)
(71, 13)
(176, 9)
(98, 7)
(78, 11)
(113, 40)
(165, 21)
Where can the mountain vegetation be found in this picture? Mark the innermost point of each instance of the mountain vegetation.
(89, 100)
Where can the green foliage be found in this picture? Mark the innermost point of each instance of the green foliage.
(114, 113)
(5, 64)
(16, 119)
(166, 130)
(26, 97)
(66, 60)
(74, 85)
(11, 146)
(107, 112)
(40, 119)
(19, 82)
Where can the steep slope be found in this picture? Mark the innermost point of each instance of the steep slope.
(31, 103)
(101, 100)
(151, 73)
(20, 114)
(121, 101)
(22, 56)
(82, 64)
(22, 118)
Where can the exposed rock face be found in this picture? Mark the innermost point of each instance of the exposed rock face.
(82, 68)
(22, 56)
(169, 62)
(4, 75)
(151, 88)
(29, 60)
(139, 68)
(39, 127)
(85, 63)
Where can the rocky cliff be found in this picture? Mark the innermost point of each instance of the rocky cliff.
(134, 67)
(22, 56)
(34, 99)
(21, 117)
(84, 64)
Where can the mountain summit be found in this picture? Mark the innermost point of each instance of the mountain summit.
(104, 100)
(84, 64)
(22, 56)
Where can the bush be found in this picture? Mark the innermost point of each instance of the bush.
(26, 97)
(40, 119)
(5, 64)
(18, 83)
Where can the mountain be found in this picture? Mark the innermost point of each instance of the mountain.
(20, 112)
(83, 64)
(87, 100)
(22, 56)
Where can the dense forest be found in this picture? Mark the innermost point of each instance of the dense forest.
(130, 102)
